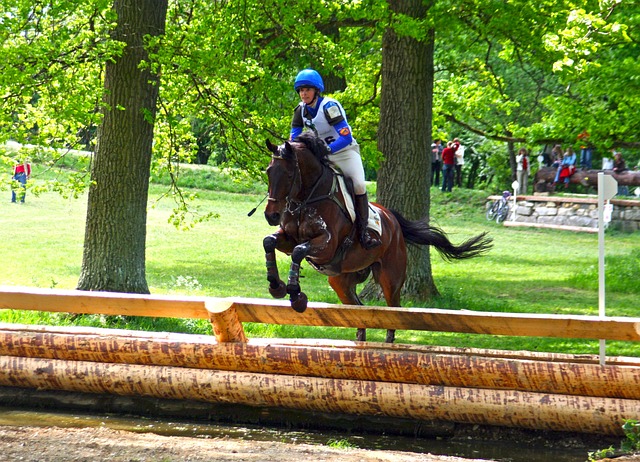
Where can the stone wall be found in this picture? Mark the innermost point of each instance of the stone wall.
(574, 213)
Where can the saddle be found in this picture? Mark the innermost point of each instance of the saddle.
(374, 212)
(341, 187)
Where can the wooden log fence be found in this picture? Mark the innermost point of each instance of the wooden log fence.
(531, 390)
(227, 325)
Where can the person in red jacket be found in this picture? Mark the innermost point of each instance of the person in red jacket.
(21, 173)
(448, 166)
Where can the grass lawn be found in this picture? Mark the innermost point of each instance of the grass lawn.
(528, 270)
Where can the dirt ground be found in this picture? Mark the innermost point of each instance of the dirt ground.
(95, 444)
(53, 444)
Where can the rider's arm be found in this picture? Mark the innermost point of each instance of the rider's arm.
(297, 124)
(333, 114)
(344, 138)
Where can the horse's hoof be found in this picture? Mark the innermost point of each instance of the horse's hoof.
(278, 292)
(299, 305)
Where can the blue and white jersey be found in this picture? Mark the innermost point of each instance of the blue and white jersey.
(328, 120)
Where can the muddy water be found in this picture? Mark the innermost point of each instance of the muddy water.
(462, 447)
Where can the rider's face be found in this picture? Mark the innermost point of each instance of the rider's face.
(307, 94)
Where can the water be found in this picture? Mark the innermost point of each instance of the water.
(503, 451)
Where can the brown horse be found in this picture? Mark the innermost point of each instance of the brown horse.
(304, 199)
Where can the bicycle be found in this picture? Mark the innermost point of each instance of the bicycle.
(499, 210)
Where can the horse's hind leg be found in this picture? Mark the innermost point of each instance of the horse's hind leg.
(344, 286)
(391, 274)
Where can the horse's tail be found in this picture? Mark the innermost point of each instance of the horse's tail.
(421, 233)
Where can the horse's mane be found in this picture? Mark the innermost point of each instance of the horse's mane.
(315, 145)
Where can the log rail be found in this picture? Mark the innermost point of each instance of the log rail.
(227, 314)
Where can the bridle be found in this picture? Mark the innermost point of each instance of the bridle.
(293, 206)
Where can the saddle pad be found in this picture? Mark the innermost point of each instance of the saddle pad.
(374, 214)
(374, 219)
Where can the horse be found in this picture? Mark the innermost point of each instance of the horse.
(306, 202)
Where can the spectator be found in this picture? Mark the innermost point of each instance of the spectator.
(436, 161)
(619, 165)
(586, 150)
(544, 157)
(523, 169)
(459, 156)
(556, 155)
(21, 173)
(566, 168)
(448, 165)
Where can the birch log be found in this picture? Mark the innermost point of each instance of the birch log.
(539, 411)
(552, 373)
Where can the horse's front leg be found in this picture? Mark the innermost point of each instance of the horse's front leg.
(296, 296)
(277, 288)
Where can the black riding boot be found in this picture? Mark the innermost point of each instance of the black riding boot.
(368, 238)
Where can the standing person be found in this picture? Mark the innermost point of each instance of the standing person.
(586, 150)
(436, 161)
(544, 157)
(327, 119)
(448, 165)
(21, 173)
(459, 156)
(523, 169)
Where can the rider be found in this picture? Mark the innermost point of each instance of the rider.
(326, 117)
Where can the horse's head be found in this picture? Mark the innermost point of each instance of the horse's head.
(281, 173)
(294, 171)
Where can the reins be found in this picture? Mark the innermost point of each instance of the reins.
(310, 199)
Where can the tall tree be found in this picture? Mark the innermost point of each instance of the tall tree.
(404, 132)
(115, 234)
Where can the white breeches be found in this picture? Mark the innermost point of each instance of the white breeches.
(349, 161)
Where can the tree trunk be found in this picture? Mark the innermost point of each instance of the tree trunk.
(115, 234)
(404, 136)
(513, 165)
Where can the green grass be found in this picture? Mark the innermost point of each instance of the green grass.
(528, 270)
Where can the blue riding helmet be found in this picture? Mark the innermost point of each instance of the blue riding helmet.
(309, 78)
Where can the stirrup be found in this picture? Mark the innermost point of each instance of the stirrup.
(369, 240)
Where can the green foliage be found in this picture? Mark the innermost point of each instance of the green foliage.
(631, 430)
(227, 68)
(601, 454)
(563, 68)
(341, 444)
(631, 443)
(50, 71)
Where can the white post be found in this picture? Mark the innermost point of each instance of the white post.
(516, 187)
(607, 188)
